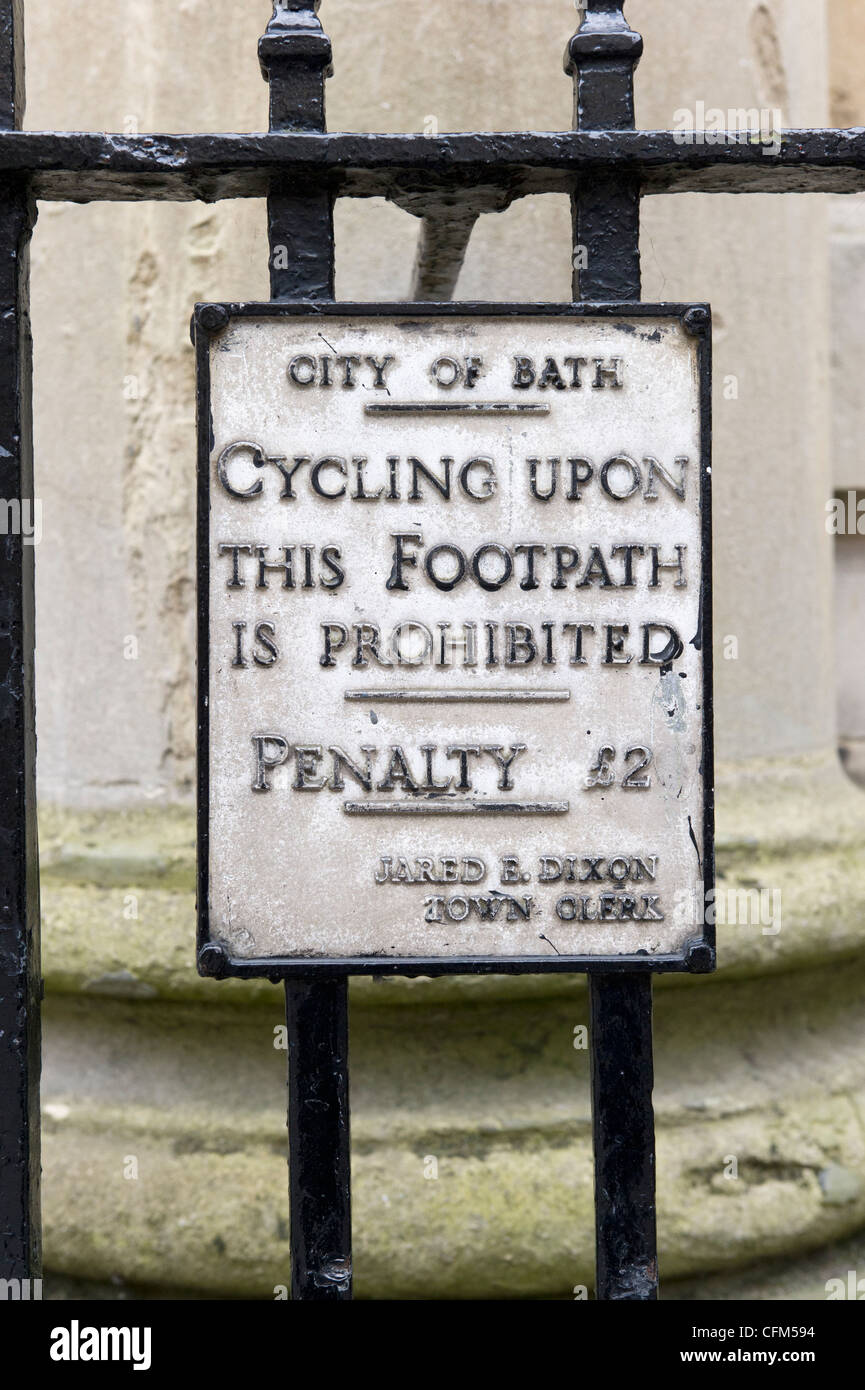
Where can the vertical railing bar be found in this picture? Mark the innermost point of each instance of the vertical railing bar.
(319, 1160)
(20, 986)
(606, 259)
(295, 58)
(623, 1131)
(605, 207)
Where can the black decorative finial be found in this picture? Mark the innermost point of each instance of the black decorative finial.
(601, 57)
(295, 56)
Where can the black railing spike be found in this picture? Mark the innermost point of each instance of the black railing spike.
(601, 57)
(295, 56)
(295, 43)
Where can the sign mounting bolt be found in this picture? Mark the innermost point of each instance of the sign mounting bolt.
(697, 320)
(213, 317)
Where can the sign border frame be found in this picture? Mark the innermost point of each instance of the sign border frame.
(698, 956)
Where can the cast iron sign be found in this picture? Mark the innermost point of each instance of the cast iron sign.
(454, 637)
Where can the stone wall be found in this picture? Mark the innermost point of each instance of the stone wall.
(847, 259)
(163, 1093)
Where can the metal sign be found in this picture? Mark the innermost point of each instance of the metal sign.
(454, 637)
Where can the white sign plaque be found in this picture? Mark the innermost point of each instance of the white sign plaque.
(454, 637)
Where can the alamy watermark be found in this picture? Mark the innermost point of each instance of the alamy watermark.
(21, 517)
(77, 1343)
(852, 1287)
(740, 125)
(845, 515)
(732, 907)
(20, 1290)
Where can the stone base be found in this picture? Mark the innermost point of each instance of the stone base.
(164, 1122)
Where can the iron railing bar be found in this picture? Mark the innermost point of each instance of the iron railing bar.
(606, 238)
(20, 985)
(92, 167)
(295, 58)
(623, 1132)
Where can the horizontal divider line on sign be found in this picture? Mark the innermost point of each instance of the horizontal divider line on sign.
(454, 408)
(460, 697)
(456, 808)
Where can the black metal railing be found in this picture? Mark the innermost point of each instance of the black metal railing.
(448, 181)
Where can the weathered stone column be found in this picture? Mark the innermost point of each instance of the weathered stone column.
(164, 1140)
